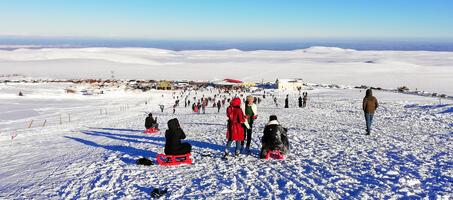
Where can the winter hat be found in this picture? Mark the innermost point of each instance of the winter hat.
(272, 117)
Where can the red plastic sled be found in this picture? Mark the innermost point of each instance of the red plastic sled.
(275, 154)
(171, 160)
(151, 131)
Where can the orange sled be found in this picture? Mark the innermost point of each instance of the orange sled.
(171, 160)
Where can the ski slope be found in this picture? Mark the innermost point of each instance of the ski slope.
(409, 153)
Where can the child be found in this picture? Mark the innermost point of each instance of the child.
(173, 136)
(250, 111)
(235, 130)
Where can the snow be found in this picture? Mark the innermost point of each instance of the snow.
(408, 154)
(421, 70)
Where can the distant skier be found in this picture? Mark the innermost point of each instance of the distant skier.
(151, 122)
(219, 105)
(250, 111)
(235, 130)
(198, 106)
(305, 99)
(161, 108)
(287, 101)
(274, 138)
(275, 101)
(21, 94)
(173, 136)
(203, 105)
(369, 105)
(194, 108)
(300, 101)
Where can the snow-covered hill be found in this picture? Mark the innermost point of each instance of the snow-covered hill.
(422, 70)
(409, 154)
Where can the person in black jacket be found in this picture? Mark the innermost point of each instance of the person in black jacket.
(300, 101)
(275, 138)
(151, 122)
(173, 137)
(286, 102)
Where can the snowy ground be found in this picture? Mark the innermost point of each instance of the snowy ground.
(422, 70)
(409, 154)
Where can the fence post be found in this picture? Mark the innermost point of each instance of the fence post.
(44, 124)
(29, 125)
(61, 122)
(69, 117)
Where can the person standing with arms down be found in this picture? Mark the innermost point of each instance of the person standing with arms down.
(305, 99)
(300, 101)
(204, 104)
(370, 104)
(235, 129)
(250, 111)
(219, 105)
(287, 101)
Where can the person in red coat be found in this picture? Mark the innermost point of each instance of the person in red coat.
(236, 119)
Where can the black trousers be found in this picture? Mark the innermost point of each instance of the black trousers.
(183, 149)
(248, 136)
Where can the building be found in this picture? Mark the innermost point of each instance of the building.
(164, 85)
(289, 84)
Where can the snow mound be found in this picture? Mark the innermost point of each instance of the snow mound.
(326, 50)
(119, 55)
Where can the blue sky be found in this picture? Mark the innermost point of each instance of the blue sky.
(228, 19)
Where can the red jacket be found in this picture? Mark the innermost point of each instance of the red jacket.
(236, 117)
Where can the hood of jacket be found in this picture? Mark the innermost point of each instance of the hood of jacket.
(273, 122)
(236, 102)
(369, 93)
(173, 124)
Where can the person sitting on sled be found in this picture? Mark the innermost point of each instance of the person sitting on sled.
(275, 138)
(151, 122)
(173, 136)
(236, 120)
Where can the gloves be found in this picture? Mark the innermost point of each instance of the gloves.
(254, 117)
(246, 117)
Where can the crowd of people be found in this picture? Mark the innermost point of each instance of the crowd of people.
(241, 116)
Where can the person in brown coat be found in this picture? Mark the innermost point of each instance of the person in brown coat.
(370, 104)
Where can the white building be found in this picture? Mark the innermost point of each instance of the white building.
(289, 84)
